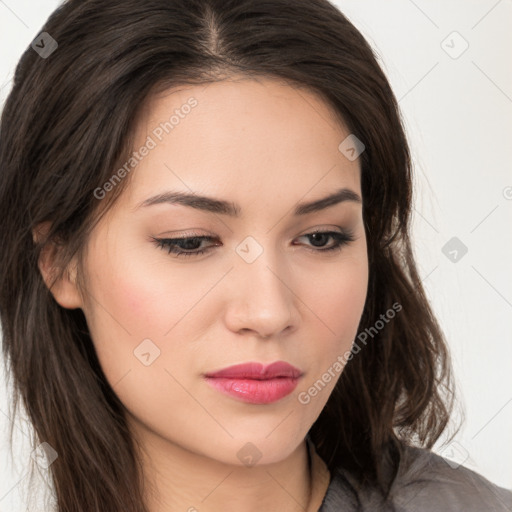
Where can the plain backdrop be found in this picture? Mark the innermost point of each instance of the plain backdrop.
(450, 65)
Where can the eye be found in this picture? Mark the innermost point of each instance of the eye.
(340, 238)
(184, 246)
(191, 245)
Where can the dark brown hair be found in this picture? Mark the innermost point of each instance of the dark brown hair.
(68, 123)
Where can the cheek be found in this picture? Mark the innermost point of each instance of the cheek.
(337, 311)
(133, 312)
(350, 301)
(339, 303)
(147, 300)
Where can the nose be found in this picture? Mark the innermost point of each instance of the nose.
(261, 299)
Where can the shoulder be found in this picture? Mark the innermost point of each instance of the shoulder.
(425, 482)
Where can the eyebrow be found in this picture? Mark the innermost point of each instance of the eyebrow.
(223, 207)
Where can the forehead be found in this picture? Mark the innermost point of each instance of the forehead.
(258, 137)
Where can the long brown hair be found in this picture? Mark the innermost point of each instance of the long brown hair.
(68, 124)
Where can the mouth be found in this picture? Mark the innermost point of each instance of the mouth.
(255, 383)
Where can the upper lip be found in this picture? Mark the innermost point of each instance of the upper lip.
(258, 371)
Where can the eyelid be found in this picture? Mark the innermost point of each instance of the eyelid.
(214, 238)
(191, 233)
(324, 227)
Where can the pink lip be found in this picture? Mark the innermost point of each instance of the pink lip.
(255, 383)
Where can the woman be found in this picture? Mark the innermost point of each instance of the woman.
(209, 298)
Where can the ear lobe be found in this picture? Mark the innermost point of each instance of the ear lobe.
(64, 288)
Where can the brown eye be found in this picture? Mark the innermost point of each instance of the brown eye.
(184, 246)
(319, 237)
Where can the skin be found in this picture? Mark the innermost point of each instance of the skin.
(266, 146)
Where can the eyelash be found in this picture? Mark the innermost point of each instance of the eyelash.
(341, 239)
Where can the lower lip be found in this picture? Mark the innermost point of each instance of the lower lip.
(254, 391)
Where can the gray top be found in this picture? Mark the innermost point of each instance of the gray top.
(430, 483)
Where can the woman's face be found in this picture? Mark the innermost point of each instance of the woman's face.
(262, 292)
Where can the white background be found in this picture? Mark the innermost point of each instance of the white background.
(458, 113)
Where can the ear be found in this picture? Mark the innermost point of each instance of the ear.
(63, 289)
